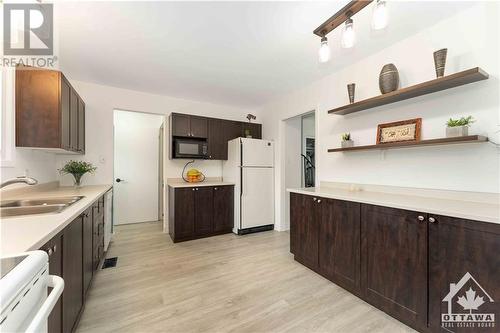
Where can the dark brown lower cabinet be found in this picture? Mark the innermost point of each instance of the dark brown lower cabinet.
(465, 253)
(339, 243)
(54, 249)
(306, 224)
(72, 273)
(223, 209)
(203, 211)
(413, 266)
(196, 212)
(394, 262)
(71, 256)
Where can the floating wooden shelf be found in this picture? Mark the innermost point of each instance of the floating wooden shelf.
(428, 87)
(432, 142)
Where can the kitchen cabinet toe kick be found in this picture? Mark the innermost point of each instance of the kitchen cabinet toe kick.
(402, 262)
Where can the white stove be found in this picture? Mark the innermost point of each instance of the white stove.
(24, 304)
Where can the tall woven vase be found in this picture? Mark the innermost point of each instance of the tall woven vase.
(389, 79)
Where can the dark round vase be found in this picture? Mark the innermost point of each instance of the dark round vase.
(389, 79)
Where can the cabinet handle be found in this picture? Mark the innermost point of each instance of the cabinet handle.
(54, 248)
(421, 218)
(196, 189)
(49, 251)
(319, 200)
(432, 220)
(193, 189)
(215, 188)
(314, 199)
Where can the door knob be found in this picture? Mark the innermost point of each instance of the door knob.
(118, 180)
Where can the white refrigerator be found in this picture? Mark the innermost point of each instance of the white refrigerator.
(250, 165)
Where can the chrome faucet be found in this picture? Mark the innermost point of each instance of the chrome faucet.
(22, 179)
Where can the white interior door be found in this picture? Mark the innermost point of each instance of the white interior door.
(136, 163)
(257, 197)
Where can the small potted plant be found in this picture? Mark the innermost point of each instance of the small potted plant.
(458, 127)
(346, 140)
(77, 169)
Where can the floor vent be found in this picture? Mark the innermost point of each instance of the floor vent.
(109, 262)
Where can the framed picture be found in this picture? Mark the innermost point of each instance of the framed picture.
(399, 131)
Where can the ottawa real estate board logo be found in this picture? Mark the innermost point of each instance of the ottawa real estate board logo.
(469, 305)
(28, 34)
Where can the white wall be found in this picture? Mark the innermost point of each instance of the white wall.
(292, 164)
(100, 101)
(472, 38)
(136, 159)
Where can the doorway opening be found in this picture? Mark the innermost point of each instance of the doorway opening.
(138, 167)
(299, 162)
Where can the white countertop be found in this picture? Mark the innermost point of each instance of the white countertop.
(181, 184)
(472, 210)
(30, 232)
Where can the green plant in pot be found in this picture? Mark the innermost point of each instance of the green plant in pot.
(458, 127)
(346, 140)
(77, 169)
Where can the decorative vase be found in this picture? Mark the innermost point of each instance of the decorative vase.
(440, 61)
(78, 179)
(389, 79)
(347, 143)
(351, 87)
(452, 132)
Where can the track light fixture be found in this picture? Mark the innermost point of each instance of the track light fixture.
(380, 16)
(324, 50)
(348, 35)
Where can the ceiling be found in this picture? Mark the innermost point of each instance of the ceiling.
(235, 53)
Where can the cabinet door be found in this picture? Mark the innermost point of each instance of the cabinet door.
(463, 253)
(203, 207)
(54, 250)
(307, 232)
(394, 262)
(232, 130)
(252, 129)
(37, 108)
(217, 145)
(73, 120)
(199, 127)
(65, 114)
(296, 211)
(88, 245)
(180, 125)
(223, 208)
(72, 273)
(339, 243)
(81, 126)
(184, 212)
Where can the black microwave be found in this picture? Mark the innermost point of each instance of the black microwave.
(190, 148)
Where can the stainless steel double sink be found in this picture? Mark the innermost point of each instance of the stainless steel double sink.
(9, 208)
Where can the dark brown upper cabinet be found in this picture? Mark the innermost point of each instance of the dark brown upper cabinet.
(252, 130)
(189, 126)
(217, 143)
(48, 112)
(217, 132)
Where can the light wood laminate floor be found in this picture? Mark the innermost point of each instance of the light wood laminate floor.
(225, 283)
